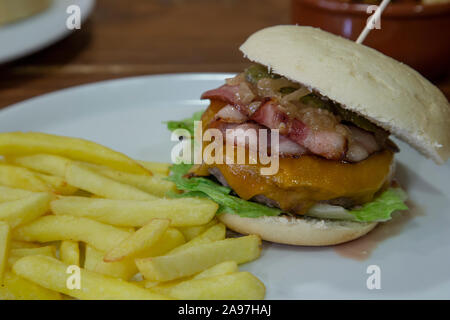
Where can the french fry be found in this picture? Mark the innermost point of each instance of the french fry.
(57, 185)
(127, 268)
(49, 251)
(199, 258)
(53, 228)
(223, 268)
(16, 254)
(10, 194)
(192, 232)
(5, 240)
(19, 143)
(234, 286)
(18, 177)
(21, 178)
(43, 163)
(23, 244)
(214, 233)
(17, 288)
(69, 252)
(156, 167)
(51, 274)
(155, 185)
(114, 208)
(139, 241)
(129, 213)
(22, 211)
(124, 269)
(171, 239)
(83, 177)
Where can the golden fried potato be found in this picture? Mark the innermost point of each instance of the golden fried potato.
(17, 288)
(156, 167)
(21, 178)
(139, 241)
(16, 254)
(155, 185)
(69, 252)
(83, 177)
(52, 274)
(43, 163)
(53, 228)
(214, 233)
(19, 143)
(5, 241)
(24, 210)
(200, 257)
(234, 286)
(129, 213)
(192, 232)
(124, 269)
(10, 194)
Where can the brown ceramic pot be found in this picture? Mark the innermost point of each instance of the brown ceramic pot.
(418, 35)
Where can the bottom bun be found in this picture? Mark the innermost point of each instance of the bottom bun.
(300, 231)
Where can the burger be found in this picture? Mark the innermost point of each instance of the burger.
(334, 104)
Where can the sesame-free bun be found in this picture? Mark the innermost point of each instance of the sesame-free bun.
(361, 79)
(299, 231)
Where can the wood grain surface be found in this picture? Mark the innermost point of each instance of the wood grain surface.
(136, 37)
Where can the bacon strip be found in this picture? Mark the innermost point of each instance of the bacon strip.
(225, 93)
(327, 143)
(231, 114)
(287, 147)
(334, 142)
(229, 94)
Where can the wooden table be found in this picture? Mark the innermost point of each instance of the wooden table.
(127, 38)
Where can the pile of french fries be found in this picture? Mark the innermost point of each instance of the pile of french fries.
(73, 207)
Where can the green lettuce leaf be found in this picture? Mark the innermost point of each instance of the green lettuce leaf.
(382, 207)
(187, 123)
(203, 187)
(378, 210)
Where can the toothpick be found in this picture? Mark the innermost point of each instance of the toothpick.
(371, 20)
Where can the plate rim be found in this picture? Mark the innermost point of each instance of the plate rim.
(23, 104)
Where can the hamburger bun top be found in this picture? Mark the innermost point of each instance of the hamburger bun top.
(361, 79)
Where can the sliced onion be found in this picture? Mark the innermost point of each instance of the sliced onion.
(245, 93)
(295, 96)
(327, 211)
(231, 114)
(287, 147)
(253, 107)
(235, 80)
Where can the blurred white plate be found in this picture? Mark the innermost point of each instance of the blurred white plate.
(32, 34)
(412, 251)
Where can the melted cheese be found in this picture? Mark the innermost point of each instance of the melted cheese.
(302, 182)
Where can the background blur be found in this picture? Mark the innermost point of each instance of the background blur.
(137, 37)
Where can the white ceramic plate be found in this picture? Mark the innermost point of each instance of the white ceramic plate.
(29, 35)
(412, 251)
